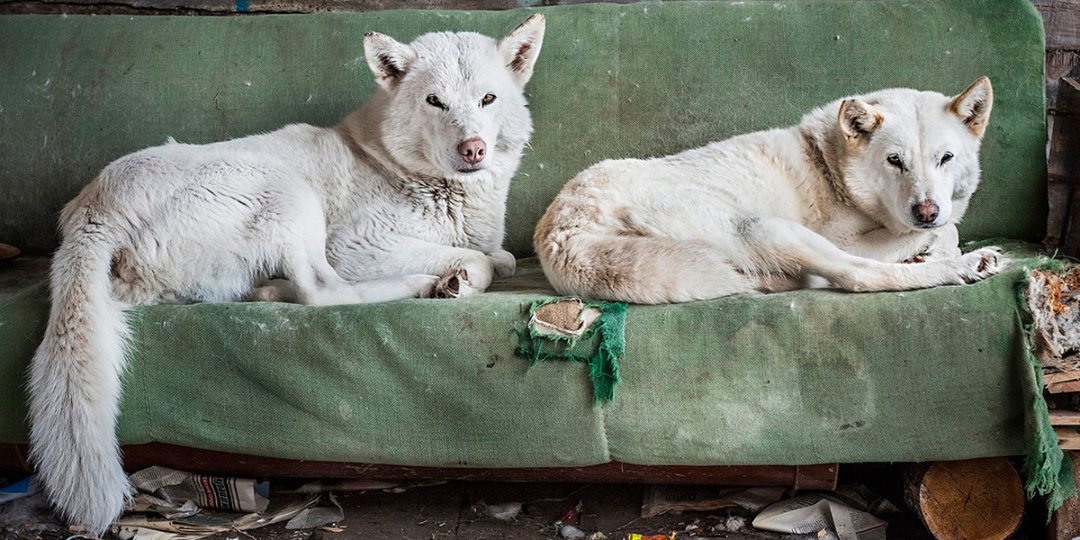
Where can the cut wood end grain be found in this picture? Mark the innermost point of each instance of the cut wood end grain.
(963, 500)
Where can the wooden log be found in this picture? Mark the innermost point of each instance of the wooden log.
(1065, 521)
(13, 458)
(966, 500)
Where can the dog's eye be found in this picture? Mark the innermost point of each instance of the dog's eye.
(433, 100)
(895, 161)
(488, 100)
(945, 159)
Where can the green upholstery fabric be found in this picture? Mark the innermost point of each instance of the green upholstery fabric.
(612, 81)
(793, 378)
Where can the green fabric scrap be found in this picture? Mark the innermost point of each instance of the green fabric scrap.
(1047, 470)
(609, 326)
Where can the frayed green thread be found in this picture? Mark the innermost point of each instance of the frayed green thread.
(603, 365)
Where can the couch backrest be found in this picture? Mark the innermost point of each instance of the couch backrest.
(634, 80)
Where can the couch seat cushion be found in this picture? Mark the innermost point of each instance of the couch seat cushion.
(793, 378)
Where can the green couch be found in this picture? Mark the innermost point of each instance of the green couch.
(796, 378)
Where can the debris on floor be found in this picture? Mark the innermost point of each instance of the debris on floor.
(456, 511)
(29, 515)
(15, 490)
(662, 499)
(504, 512)
(196, 506)
(850, 513)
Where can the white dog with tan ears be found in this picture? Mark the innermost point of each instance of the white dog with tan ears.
(405, 198)
(850, 194)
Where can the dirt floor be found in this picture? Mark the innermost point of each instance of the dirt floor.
(459, 511)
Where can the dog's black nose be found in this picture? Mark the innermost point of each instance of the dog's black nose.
(925, 212)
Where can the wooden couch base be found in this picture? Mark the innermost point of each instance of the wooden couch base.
(13, 459)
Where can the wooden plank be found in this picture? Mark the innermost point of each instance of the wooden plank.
(1059, 63)
(824, 476)
(1061, 18)
(1063, 161)
(1068, 438)
(1058, 388)
(1060, 417)
(1054, 378)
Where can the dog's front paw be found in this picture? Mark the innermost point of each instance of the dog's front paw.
(421, 285)
(504, 262)
(455, 284)
(982, 263)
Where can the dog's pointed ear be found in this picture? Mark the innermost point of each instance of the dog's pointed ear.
(973, 106)
(521, 47)
(388, 59)
(858, 119)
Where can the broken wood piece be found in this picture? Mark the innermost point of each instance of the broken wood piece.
(1055, 378)
(962, 500)
(8, 251)
(1068, 438)
(13, 457)
(1060, 417)
(1058, 388)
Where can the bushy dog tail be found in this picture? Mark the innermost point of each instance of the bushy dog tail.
(74, 384)
(638, 269)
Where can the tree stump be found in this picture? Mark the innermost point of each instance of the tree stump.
(974, 499)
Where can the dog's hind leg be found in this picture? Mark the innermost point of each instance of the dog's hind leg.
(773, 243)
(312, 281)
(299, 256)
(641, 269)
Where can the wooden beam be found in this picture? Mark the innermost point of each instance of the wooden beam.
(1063, 167)
(1068, 438)
(1058, 388)
(1064, 418)
(1065, 376)
(136, 457)
(1061, 18)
